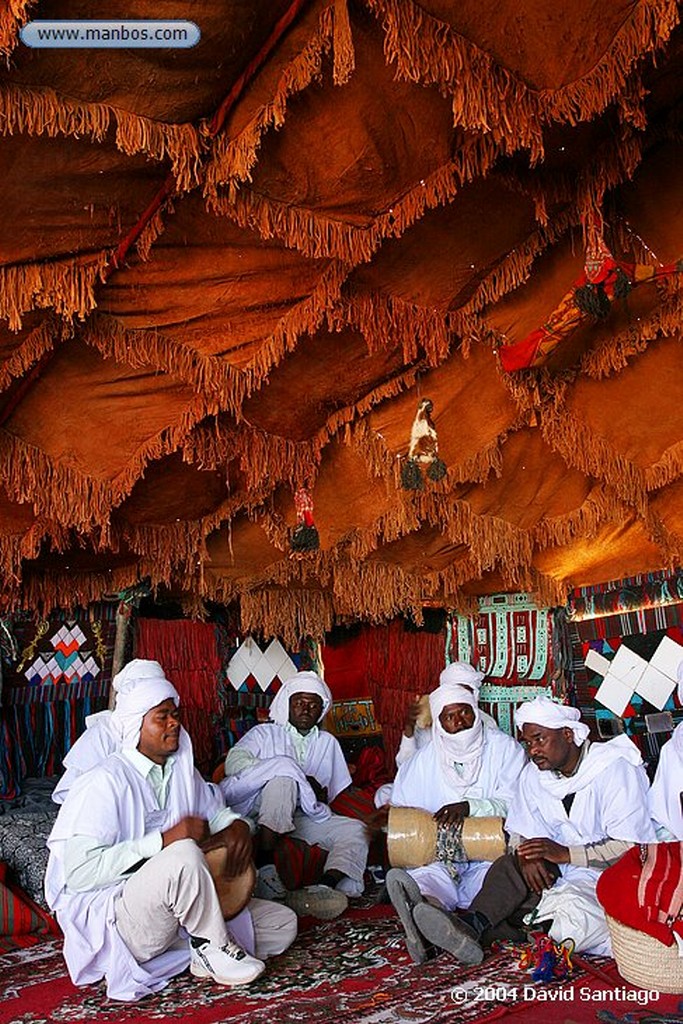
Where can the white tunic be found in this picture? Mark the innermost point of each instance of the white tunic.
(99, 740)
(665, 795)
(111, 804)
(273, 748)
(421, 783)
(610, 802)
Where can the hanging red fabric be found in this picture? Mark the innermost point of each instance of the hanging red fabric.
(188, 653)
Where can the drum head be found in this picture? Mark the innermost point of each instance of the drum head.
(233, 893)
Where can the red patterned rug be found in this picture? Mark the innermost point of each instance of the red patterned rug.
(354, 970)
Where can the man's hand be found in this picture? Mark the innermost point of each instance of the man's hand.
(187, 828)
(320, 791)
(536, 857)
(536, 874)
(451, 814)
(543, 849)
(377, 821)
(236, 838)
(412, 711)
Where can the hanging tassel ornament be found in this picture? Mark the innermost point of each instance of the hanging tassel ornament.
(304, 535)
(603, 282)
(603, 277)
(411, 476)
(424, 450)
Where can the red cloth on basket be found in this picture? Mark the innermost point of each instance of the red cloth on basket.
(644, 890)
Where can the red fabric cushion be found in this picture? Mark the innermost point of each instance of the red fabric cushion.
(22, 922)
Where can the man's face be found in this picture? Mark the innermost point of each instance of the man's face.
(456, 718)
(160, 732)
(550, 749)
(304, 711)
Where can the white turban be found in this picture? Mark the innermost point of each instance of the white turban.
(451, 693)
(462, 748)
(302, 682)
(139, 687)
(545, 712)
(464, 673)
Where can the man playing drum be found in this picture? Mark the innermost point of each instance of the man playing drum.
(127, 877)
(466, 770)
(577, 808)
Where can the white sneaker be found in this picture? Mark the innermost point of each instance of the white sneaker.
(269, 885)
(226, 965)
(317, 901)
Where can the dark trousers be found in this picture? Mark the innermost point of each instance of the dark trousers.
(505, 898)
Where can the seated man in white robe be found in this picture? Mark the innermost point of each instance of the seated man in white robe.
(416, 736)
(666, 794)
(577, 808)
(284, 775)
(102, 735)
(127, 877)
(466, 770)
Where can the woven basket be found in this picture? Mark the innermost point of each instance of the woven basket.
(644, 961)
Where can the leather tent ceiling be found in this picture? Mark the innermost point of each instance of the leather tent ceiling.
(232, 270)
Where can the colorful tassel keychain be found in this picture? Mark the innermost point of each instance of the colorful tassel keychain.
(548, 960)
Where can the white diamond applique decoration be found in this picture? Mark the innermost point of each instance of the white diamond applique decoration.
(287, 670)
(655, 687)
(627, 666)
(628, 673)
(38, 668)
(281, 663)
(238, 670)
(667, 657)
(68, 639)
(597, 662)
(264, 666)
(251, 653)
(90, 665)
(614, 694)
(263, 672)
(69, 661)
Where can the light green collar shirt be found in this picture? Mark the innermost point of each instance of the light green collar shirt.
(157, 775)
(301, 743)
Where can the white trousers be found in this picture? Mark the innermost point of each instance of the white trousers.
(434, 881)
(345, 839)
(572, 906)
(173, 890)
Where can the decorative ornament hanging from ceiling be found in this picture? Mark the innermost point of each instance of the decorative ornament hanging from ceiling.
(304, 535)
(603, 281)
(423, 451)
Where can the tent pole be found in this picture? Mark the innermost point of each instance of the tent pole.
(123, 613)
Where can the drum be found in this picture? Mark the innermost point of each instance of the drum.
(233, 893)
(415, 839)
